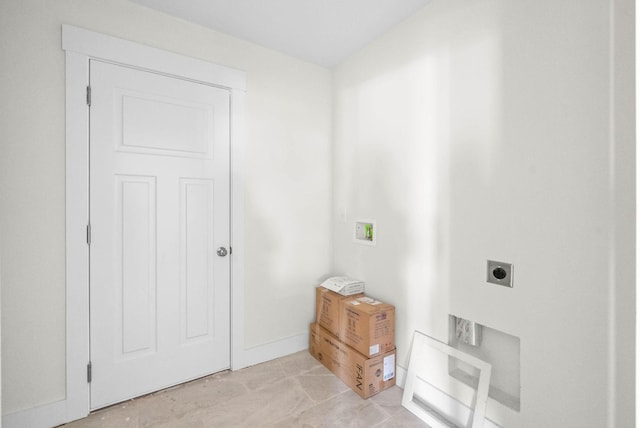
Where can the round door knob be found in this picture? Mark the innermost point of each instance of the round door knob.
(222, 251)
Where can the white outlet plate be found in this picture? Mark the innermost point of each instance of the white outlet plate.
(342, 215)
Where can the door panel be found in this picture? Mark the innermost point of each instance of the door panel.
(161, 125)
(136, 269)
(159, 207)
(196, 256)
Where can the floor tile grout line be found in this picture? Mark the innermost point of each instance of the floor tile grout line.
(305, 391)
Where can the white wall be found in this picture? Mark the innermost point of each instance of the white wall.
(287, 180)
(503, 130)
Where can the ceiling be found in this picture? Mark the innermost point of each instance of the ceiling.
(323, 32)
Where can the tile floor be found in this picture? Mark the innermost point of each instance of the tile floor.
(293, 391)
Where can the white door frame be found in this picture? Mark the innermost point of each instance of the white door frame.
(81, 46)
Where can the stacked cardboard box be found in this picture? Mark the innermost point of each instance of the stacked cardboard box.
(353, 336)
(367, 325)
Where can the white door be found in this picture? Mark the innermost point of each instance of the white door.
(159, 210)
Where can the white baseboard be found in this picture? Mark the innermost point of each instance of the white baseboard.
(45, 416)
(271, 351)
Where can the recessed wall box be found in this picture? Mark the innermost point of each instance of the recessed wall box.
(365, 232)
(468, 332)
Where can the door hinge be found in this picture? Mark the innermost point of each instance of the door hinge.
(230, 250)
(88, 234)
(89, 372)
(89, 96)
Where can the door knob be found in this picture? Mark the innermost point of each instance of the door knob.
(222, 251)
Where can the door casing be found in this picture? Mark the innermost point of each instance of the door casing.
(80, 46)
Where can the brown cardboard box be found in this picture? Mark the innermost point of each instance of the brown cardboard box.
(328, 309)
(367, 325)
(328, 355)
(366, 376)
(314, 342)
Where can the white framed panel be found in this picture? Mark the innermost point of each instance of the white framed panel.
(444, 398)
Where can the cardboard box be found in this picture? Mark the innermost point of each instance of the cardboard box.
(367, 325)
(314, 341)
(329, 356)
(328, 309)
(366, 376)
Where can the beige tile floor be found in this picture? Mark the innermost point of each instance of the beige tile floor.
(293, 391)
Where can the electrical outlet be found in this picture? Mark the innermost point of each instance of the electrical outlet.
(468, 332)
(500, 273)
